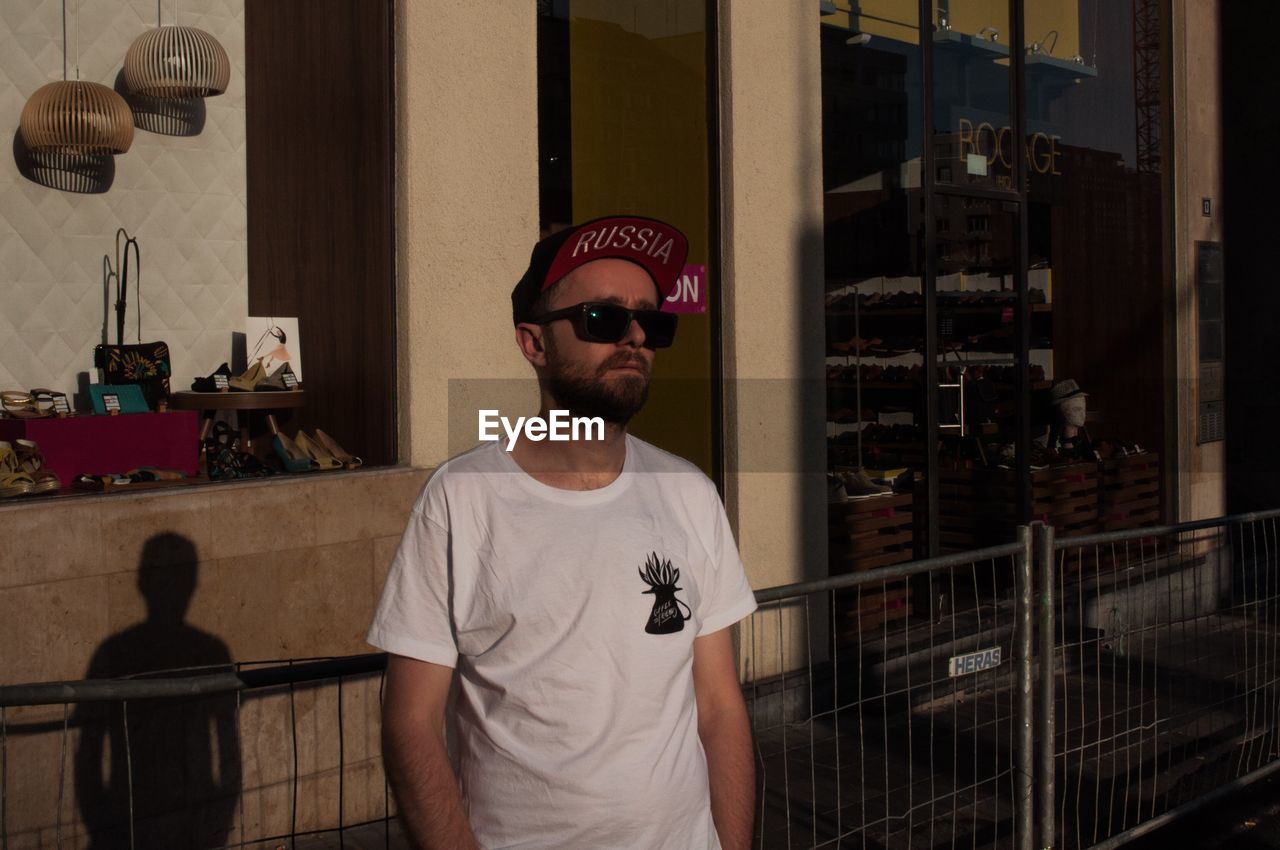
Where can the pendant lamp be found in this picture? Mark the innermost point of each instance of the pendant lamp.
(76, 117)
(176, 62)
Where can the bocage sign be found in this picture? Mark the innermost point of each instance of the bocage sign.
(996, 145)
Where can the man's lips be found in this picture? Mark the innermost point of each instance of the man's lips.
(632, 366)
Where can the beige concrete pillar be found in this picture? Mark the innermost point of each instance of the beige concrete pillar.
(771, 207)
(466, 205)
(1197, 174)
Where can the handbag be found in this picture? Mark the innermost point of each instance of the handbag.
(144, 363)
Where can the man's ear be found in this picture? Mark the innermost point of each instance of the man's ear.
(529, 339)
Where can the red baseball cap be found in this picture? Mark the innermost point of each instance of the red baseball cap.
(654, 245)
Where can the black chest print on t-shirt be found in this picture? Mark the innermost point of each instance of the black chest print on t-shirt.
(666, 617)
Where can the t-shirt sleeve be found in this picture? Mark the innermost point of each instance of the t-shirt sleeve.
(728, 597)
(414, 616)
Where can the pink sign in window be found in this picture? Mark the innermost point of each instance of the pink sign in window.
(690, 294)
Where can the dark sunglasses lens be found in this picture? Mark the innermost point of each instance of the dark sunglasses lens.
(606, 322)
(659, 328)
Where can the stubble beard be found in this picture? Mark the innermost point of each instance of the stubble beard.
(589, 393)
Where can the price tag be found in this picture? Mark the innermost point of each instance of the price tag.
(290, 380)
(220, 382)
(111, 403)
(60, 405)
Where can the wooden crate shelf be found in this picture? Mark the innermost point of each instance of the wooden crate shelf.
(864, 534)
(978, 507)
(864, 613)
(1129, 495)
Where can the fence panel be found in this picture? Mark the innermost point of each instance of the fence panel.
(1166, 672)
(895, 727)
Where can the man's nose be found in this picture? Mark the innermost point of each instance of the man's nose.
(634, 336)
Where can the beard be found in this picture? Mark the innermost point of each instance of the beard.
(587, 392)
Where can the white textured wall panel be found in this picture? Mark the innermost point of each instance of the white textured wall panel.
(182, 197)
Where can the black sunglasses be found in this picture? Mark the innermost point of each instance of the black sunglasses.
(596, 321)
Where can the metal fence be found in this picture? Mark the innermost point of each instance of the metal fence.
(267, 755)
(1069, 693)
(1167, 687)
(891, 708)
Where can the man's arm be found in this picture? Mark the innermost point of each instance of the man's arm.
(416, 760)
(726, 738)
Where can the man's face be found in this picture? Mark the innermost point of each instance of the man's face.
(609, 380)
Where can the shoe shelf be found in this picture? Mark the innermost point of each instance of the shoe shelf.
(277, 400)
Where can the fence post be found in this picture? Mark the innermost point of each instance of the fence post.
(1024, 801)
(1045, 732)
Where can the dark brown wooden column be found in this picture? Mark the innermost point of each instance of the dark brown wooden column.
(319, 140)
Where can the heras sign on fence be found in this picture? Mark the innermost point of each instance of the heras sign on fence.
(973, 662)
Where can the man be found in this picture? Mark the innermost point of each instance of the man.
(582, 591)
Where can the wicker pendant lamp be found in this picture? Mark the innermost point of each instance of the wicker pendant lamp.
(175, 62)
(76, 117)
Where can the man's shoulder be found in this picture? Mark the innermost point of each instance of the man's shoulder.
(454, 476)
(650, 458)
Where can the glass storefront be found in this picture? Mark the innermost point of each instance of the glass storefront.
(605, 69)
(994, 270)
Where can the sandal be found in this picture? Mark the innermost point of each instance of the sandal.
(31, 461)
(13, 482)
(22, 405)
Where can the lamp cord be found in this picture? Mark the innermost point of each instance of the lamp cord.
(75, 41)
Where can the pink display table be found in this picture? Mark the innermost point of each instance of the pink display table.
(102, 445)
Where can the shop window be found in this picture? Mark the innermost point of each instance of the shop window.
(241, 252)
(604, 67)
(1087, 290)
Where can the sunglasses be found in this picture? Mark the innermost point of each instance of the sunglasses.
(596, 321)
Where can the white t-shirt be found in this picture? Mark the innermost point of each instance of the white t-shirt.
(570, 617)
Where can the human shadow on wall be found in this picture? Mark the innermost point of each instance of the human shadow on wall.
(179, 760)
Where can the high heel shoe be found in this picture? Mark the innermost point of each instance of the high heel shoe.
(317, 453)
(291, 456)
(277, 382)
(252, 376)
(349, 460)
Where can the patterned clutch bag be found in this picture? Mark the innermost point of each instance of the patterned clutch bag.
(145, 364)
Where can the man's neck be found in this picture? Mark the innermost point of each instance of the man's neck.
(574, 464)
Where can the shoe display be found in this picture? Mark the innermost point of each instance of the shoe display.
(316, 453)
(13, 481)
(859, 486)
(210, 384)
(249, 380)
(278, 382)
(21, 404)
(31, 462)
(349, 460)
